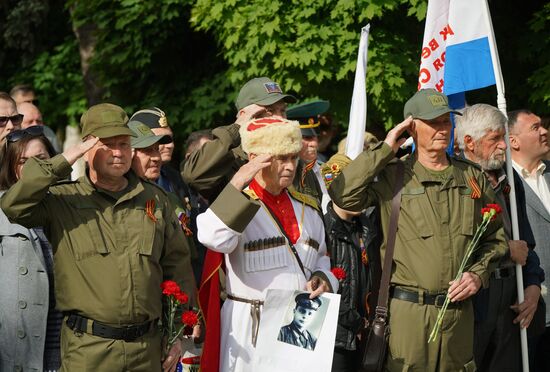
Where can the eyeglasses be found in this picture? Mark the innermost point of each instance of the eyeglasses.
(15, 120)
(16, 135)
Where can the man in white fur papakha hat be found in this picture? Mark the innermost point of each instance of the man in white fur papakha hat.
(272, 237)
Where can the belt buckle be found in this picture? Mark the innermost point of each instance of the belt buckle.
(440, 300)
(130, 333)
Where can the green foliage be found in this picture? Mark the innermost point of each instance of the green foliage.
(190, 57)
(309, 46)
(540, 47)
(56, 75)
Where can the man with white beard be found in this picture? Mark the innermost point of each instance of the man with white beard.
(480, 135)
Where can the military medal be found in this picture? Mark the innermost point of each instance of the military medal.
(184, 222)
(307, 168)
(150, 209)
(476, 190)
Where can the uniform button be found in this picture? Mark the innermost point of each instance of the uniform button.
(22, 304)
(23, 270)
(18, 368)
(21, 333)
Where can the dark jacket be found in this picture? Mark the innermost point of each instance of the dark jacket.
(345, 252)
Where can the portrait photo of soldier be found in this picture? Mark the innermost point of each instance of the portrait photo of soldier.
(299, 331)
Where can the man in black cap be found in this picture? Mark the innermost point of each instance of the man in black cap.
(307, 114)
(169, 178)
(296, 333)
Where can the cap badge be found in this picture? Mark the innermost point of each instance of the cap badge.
(437, 100)
(163, 121)
(272, 88)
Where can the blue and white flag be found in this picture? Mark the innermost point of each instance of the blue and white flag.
(456, 56)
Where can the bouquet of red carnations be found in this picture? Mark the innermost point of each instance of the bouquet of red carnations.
(178, 319)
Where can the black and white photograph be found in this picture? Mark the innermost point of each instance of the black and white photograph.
(307, 318)
(296, 333)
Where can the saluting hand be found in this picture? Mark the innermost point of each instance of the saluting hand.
(247, 172)
(467, 286)
(74, 153)
(250, 112)
(392, 138)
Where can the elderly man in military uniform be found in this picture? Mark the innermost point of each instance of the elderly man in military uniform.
(115, 239)
(307, 114)
(272, 236)
(296, 333)
(441, 200)
(211, 167)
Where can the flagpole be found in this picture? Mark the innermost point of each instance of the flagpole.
(501, 102)
(358, 111)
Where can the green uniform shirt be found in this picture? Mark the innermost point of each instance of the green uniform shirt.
(209, 169)
(110, 256)
(437, 220)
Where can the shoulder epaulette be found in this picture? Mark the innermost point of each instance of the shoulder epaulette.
(251, 193)
(304, 198)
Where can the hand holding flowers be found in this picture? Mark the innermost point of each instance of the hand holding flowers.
(466, 284)
(177, 320)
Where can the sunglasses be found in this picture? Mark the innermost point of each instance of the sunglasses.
(16, 135)
(15, 120)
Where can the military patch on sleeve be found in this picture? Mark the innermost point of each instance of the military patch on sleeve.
(476, 190)
(251, 193)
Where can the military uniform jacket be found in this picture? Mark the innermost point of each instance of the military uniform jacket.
(437, 220)
(110, 255)
(292, 335)
(211, 167)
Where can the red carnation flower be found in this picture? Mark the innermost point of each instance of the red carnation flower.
(339, 273)
(496, 207)
(170, 288)
(182, 297)
(189, 318)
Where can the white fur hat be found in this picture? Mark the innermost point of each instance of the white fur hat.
(271, 135)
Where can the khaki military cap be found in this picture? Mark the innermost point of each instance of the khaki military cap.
(262, 91)
(105, 120)
(427, 104)
(144, 136)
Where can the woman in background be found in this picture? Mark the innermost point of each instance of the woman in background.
(30, 325)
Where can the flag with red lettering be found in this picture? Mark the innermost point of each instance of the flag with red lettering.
(455, 52)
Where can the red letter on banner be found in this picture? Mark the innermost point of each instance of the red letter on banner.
(427, 76)
(438, 64)
(426, 52)
(439, 86)
(433, 44)
(447, 30)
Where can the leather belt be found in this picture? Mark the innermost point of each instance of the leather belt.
(436, 300)
(503, 272)
(254, 313)
(130, 333)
